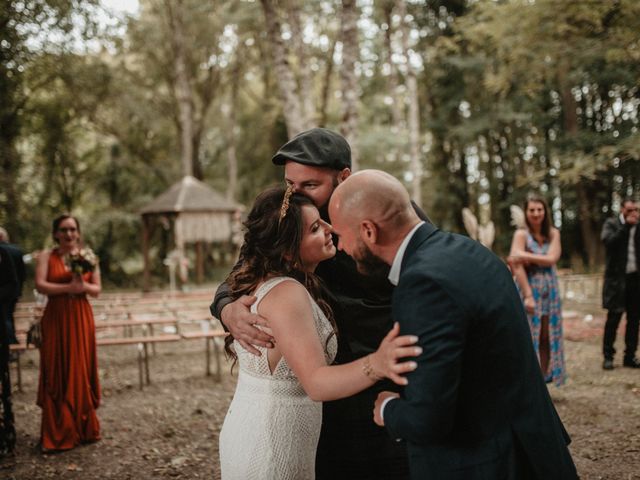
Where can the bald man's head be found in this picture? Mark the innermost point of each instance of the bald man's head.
(371, 207)
(374, 195)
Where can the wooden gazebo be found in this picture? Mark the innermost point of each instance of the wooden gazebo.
(196, 213)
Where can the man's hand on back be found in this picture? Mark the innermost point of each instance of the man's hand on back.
(241, 323)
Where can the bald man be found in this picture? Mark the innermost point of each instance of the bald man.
(477, 406)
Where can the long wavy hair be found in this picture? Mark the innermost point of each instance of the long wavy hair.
(545, 228)
(272, 248)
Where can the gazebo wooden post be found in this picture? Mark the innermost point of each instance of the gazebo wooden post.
(199, 263)
(145, 253)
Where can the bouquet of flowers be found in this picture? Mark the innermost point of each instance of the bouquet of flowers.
(83, 261)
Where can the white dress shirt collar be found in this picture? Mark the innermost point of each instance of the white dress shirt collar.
(394, 273)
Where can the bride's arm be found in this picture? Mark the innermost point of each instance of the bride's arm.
(288, 310)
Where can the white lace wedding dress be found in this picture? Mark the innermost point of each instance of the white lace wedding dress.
(272, 427)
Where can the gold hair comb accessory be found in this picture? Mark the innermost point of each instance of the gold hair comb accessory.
(285, 202)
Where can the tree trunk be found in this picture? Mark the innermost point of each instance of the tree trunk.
(349, 27)
(199, 263)
(182, 86)
(196, 165)
(585, 195)
(304, 73)
(326, 85)
(397, 113)
(146, 234)
(414, 114)
(569, 113)
(232, 161)
(459, 182)
(205, 90)
(292, 109)
(590, 236)
(504, 192)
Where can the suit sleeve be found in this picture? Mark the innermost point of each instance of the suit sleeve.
(8, 276)
(426, 409)
(223, 297)
(20, 270)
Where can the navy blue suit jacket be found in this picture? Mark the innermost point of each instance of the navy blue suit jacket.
(477, 406)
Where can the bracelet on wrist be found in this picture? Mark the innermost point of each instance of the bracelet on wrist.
(368, 369)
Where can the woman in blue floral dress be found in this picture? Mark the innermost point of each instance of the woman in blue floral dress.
(535, 250)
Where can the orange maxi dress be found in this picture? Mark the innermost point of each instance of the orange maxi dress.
(69, 389)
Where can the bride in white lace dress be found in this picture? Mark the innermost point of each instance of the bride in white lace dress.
(272, 427)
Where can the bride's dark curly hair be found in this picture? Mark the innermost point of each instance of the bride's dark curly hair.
(271, 248)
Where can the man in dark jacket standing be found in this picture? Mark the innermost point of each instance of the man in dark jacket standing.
(8, 287)
(621, 291)
(16, 256)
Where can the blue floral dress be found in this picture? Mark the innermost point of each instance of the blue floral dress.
(546, 293)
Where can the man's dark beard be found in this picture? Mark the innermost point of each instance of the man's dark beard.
(369, 264)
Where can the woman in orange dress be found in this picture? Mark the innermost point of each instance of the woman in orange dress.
(69, 389)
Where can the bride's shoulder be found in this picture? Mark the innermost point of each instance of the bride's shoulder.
(282, 293)
(276, 286)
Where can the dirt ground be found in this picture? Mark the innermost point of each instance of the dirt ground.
(170, 429)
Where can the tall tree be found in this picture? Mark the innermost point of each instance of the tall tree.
(21, 44)
(413, 122)
(178, 43)
(182, 86)
(578, 51)
(305, 75)
(397, 112)
(350, 94)
(292, 106)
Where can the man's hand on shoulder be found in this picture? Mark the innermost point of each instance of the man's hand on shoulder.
(241, 323)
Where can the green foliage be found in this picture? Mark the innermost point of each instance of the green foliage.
(514, 96)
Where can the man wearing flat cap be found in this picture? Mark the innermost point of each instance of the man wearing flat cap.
(351, 446)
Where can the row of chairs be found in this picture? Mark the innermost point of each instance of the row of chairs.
(131, 319)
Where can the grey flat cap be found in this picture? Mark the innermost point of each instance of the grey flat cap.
(317, 147)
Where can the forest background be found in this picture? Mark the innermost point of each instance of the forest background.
(472, 103)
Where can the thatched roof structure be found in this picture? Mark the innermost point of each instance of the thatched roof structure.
(189, 195)
(196, 214)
